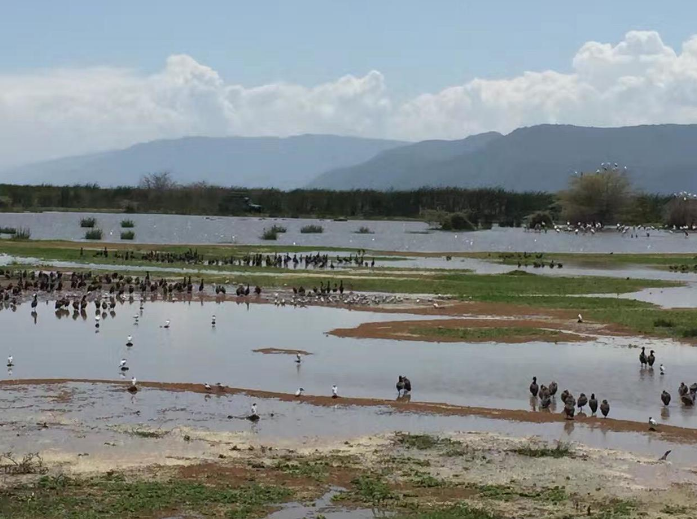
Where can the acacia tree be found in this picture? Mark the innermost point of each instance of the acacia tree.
(158, 181)
(596, 197)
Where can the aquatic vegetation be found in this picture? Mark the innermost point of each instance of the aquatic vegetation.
(88, 222)
(127, 224)
(22, 234)
(7, 230)
(93, 234)
(312, 229)
(423, 441)
(364, 230)
(561, 450)
(128, 235)
(269, 234)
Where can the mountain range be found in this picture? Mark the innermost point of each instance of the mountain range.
(658, 158)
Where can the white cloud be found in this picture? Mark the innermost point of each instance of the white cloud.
(59, 112)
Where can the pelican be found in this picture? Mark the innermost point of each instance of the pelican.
(335, 391)
(652, 424)
(10, 362)
(299, 392)
(129, 341)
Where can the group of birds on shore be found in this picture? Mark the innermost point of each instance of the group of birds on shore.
(276, 260)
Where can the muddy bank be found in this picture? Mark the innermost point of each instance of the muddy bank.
(665, 432)
(438, 331)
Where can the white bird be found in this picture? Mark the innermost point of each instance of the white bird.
(129, 341)
(254, 410)
(299, 392)
(652, 423)
(335, 391)
(213, 320)
(663, 369)
(580, 318)
(10, 362)
(122, 364)
(133, 382)
(298, 358)
(166, 324)
(207, 386)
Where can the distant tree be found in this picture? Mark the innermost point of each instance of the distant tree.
(158, 181)
(596, 197)
(681, 210)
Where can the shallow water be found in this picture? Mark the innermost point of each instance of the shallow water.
(95, 418)
(486, 374)
(388, 235)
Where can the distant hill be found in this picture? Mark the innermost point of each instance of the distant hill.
(286, 163)
(660, 158)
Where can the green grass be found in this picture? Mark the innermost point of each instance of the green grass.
(423, 480)
(93, 234)
(127, 224)
(88, 222)
(142, 433)
(7, 230)
(509, 493)
(561, 450)
(22, 234)
(364, 230)
(423, 441)
(458, 511)
(486, 334)
(66, 498)
(312, 229)
(127, 235)
(316, 470)
(369, 488)
(616, 509)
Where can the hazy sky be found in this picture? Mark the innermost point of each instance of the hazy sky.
(80, 76)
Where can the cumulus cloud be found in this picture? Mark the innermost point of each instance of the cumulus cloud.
(639, 80)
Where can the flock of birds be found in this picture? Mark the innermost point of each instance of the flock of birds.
(282, 260)
(546, 394)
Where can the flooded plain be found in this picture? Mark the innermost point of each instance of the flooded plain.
(386, 235)
(490, 374)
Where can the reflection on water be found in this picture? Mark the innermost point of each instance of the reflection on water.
(388, 235)
(487, 375)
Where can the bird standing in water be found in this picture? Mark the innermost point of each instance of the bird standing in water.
(298, 358)
(665, 398)
(593, 403)
(662, 369)
(652, 424)
(10, 361)
(299, 392)
(335, 391)
(533, 387)
(605, 408)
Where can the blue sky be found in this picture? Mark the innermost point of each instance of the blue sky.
(418, 45)
(85, 76)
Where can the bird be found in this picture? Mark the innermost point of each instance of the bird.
(580, 318)
(564, 395)
(122, 365)
(166, 324)
(96, 321)
(213, 320)
(133, 387)
(642, 356)
(129, 341)
(683, 389)
(254, 416)
(593, 403)
(335, 391)
(665, 397)
(533, 387)
(652, 424)
(665, 456)
(651, 358)
(298, 358)
(582, 401)
(662, 369)
(553, 388)
(569, 411)
(299, 392)
(605, 408)
(545, 401)
(10, 361)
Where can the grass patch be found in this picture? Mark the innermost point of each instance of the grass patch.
(561, 450)
(617, 508)
(22, 234)
(312, 229)
(370, 488)
(423, 441)
(675, 510)
(316, 470)
(62, 497)
(663, 323)
(486, 334)
(127, 235)
(93, 234)
(7, 230)
(423, 480)
(364, 230)
(127, 224)
(88, 222)
(508, 493)
(143, 433)
(458, 511)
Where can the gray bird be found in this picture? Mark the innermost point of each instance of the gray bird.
(665, 397)
(605, 408)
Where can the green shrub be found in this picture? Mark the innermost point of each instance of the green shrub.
(269, 234)
(127, 224)
(457, 222)
(278, 229)
(663, 323)
(364, 230)
(8, 230)
(128, 235)
(88, 222)
(93, 234)
(22, 233)
(312, 229)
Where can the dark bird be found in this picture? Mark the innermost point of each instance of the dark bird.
(642, 357)
(605, 408)
(564, 395)
(569, 411)
(553, 388)
(545, 401)
(400, 385)
(407, 385)
(665, 456)
(683, 389)
(665, 397)
(593, 404)
(533, 387)
(651, 359)
(582, 401)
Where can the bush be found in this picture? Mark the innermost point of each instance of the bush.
(364, 230)
(88, 222)
(312, 229)
(279, 229)
(269, 234)
(93, 234)
(8, 230)
(457, 222)
(128, 235)
(689, 333)
(127, 224)
(663, 323)
(541, 218)
(23, 233)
